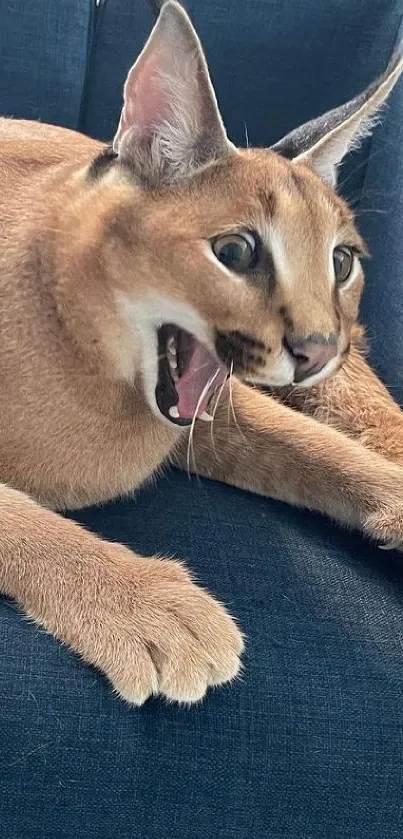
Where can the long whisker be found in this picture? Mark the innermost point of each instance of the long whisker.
(214, 413)
(231, 373)
(190, 450)
(231, 401)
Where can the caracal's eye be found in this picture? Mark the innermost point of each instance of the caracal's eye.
(237, 251)
(343, 261)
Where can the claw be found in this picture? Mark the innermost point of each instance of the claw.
(393, 545)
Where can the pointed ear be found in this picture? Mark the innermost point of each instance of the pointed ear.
(323, 142)
(170, 124)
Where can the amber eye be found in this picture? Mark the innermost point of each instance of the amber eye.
(237, 251)
(343, 261)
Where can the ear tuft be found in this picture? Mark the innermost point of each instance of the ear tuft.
(170, 124)
(324, 142)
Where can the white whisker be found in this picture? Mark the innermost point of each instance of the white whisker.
(190, 441)
(214, 413)
(231, 401)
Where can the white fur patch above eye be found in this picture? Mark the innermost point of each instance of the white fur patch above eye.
(279, 254)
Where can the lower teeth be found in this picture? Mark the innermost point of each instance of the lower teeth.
(212, 403)
(206, 417)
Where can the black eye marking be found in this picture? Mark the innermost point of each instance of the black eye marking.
(268, 202)
(297, 182)
(242, 339)
(264, 274)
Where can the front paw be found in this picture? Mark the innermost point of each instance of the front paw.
(163, 635)
(386, 527)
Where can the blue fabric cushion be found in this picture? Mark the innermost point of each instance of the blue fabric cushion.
(380, 217)
(43, 58)
(306, 745)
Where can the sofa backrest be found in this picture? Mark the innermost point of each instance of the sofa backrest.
(43, 58)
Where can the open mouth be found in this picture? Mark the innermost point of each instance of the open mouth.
(189, 376)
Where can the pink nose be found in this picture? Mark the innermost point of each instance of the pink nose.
(312, 354)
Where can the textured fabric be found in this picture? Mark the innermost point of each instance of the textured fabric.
(43, 58)
(380, 216)
(307, 745)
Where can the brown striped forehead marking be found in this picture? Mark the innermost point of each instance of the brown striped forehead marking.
(267, 199)
(297, 182)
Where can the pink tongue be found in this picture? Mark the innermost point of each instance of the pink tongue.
(204, 375)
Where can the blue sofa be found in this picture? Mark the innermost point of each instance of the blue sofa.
(308, 745)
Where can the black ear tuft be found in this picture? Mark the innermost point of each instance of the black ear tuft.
(324, 141)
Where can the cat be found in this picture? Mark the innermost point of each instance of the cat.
(149, 291)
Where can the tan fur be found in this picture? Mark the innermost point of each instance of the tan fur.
(81, 258)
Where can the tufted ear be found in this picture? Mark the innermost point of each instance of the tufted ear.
(323, 142)
(170, 124)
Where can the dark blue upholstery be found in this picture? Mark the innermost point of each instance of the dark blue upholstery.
(43, 58)
(308, 744)
(380, 216)
(261, 56)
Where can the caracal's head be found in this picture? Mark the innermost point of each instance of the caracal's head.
(222, 258)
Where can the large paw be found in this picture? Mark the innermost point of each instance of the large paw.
(162, 634)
